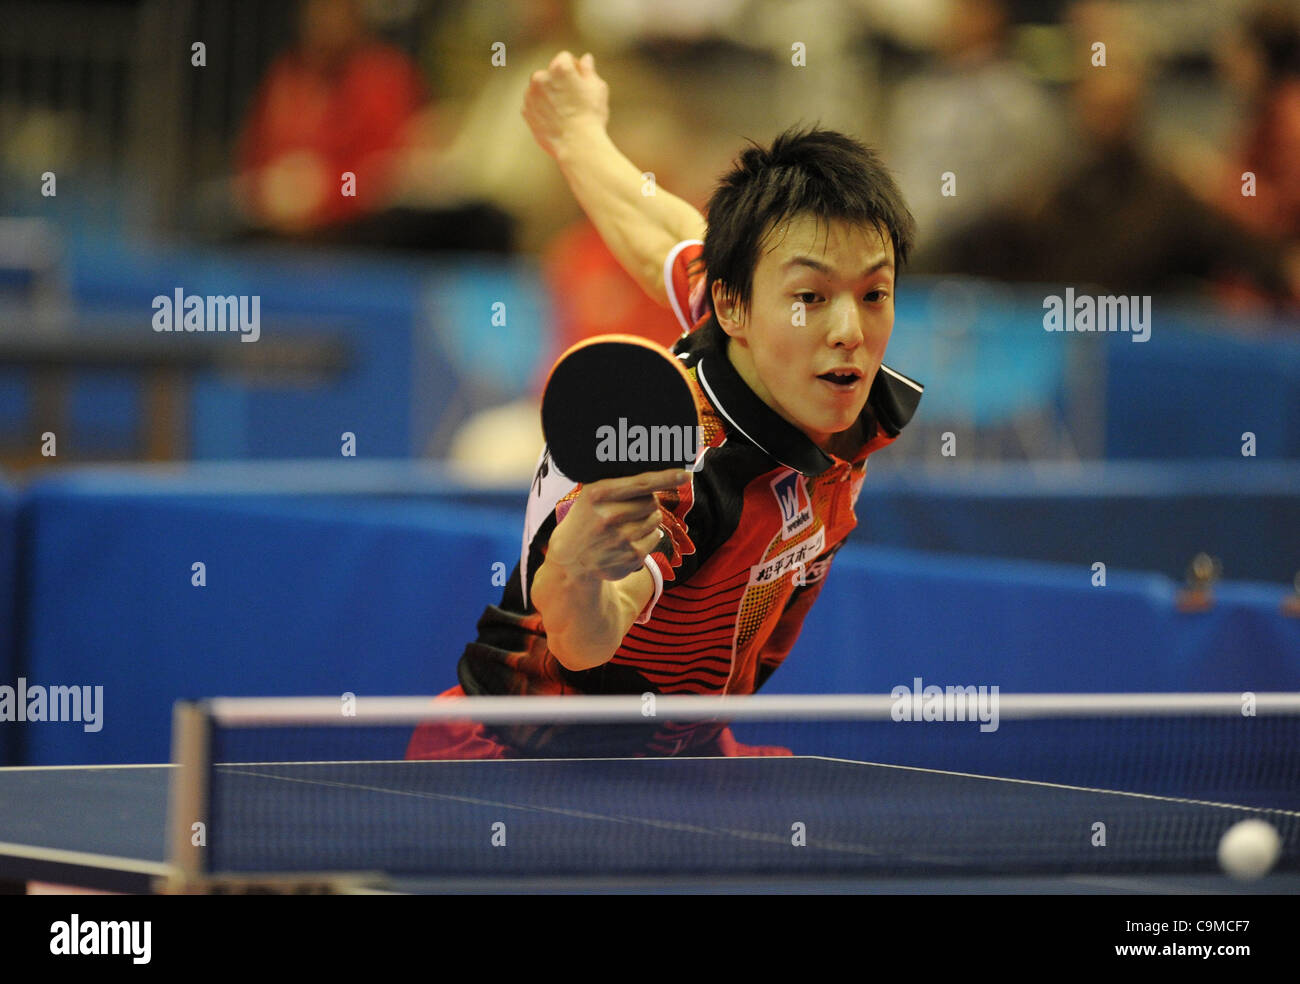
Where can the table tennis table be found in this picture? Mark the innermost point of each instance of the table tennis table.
(618, 825)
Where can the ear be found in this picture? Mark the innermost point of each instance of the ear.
(727, 310)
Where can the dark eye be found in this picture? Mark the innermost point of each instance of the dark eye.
(807, 296)
(876, 296)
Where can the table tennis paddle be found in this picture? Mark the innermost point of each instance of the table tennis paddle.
(619, 405)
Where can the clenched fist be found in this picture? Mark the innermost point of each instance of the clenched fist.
(565, 99)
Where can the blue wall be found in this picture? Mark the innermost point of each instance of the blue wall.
(317, 598)
(1192, 392)
(888, 616)
(1153, 516)
(369, 578)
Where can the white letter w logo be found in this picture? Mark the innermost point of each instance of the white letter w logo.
(788, 497)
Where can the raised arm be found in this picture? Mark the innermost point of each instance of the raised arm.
(567, 108)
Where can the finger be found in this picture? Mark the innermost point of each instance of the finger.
(612, 489)
(626, 516)
(562, 62)
(647, 543)
(587, 64)
(636, 527)
(650, 528)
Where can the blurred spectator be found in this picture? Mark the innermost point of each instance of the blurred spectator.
(487, 153)
(978, 115)
(338, 101)
(1262, 64)
(1115, 218)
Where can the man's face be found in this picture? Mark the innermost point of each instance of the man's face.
(821, 315)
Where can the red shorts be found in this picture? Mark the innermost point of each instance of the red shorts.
(469, 740)
(454, 739)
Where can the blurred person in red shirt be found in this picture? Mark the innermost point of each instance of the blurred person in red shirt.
(339, 101)
(593, 295)
(1263, 65)
(1260, 61)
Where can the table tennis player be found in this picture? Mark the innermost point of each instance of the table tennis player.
(698, 581)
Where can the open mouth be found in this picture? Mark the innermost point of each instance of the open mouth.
(845, 379)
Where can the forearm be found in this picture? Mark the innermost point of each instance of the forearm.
(586, 617)
(638, 227)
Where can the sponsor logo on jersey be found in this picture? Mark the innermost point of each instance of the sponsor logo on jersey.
(792, 498)
(793, 559)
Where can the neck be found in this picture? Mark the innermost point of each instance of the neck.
(843, 444)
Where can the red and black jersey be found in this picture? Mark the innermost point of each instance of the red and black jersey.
(747, 541)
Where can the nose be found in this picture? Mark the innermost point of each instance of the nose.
(846, 325)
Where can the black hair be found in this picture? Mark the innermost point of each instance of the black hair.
(1275, 33)
(806, 171)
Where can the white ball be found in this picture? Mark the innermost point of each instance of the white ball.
(1249, 849)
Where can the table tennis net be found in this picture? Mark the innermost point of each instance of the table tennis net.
(1071, 784)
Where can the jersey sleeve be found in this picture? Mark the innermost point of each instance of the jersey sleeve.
(684, 281)
(683, 527)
